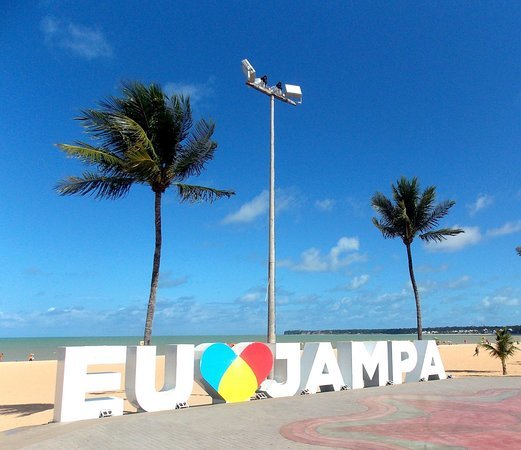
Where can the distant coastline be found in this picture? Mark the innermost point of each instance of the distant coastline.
(514, 329)
(45, 348)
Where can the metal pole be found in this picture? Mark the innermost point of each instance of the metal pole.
(271, 262)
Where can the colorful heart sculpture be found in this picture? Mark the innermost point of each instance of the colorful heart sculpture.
(236, 376)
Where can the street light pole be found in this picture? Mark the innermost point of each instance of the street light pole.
(271, 259)
(287, 95)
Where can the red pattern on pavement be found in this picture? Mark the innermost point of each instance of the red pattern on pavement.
(481, 421)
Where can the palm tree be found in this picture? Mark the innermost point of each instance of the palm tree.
(144, 137)
(412, 214)
(503, 349)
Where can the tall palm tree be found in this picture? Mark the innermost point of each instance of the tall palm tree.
(412, 214)
(144, 137)
(503, 349)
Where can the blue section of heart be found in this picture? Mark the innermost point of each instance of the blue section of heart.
(214, 362)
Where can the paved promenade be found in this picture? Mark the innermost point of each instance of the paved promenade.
(473, 413)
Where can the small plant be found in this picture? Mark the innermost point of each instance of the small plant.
(503, 348)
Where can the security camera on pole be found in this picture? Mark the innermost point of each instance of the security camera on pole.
(289, 94)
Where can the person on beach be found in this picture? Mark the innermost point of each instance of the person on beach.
(31, 357)
(1, 356)
(476, 351)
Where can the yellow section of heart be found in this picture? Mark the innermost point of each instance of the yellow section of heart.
(238, 383)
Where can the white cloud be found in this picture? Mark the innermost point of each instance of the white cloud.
(392, 297)
(427, 268)
(471, 236)
(167, 281)
(343, 245)
(11, 319)
(459, 283)
(483, 201)
(286, 199)
(253, 295)
(326, 204)
(424, 287)
(86, 42)
(196, 92)
(250, 210)
(500, 300)
(341, 255)
(258, 206)
(250, 297)
(507, 228)
(311, 261)
(431, 286)
(359, 281)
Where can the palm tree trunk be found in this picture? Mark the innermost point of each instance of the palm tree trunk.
(416, 294)
(155, 271)
(504, 365)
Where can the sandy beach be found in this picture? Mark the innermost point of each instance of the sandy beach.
(27, 388)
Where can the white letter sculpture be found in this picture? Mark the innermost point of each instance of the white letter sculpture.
(403, 358)
(429, 364)
(232, 374)
(319, 367)
(363, 363)
(140, 379)
(73, 382)
(286, 370)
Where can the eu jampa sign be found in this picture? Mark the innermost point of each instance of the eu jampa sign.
(233, 374)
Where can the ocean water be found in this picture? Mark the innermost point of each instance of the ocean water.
(18, 349)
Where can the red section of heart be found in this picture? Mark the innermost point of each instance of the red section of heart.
(259, 357)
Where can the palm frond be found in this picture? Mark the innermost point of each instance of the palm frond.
(431, 218)
(195, 194)
(95, 184)
(142, 167)
(182, 116)
(440, 235)
(198, 150)
(383, 206)
(504, 346)
(391, 223)
(406, 191)
(140, 101)
(491, 349)
(388, 232)
(91, 155)
(137, 138)
(424, 207)
(101, 127)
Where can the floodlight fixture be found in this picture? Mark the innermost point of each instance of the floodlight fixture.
(294, 92)
(291, 93)
(248, 70)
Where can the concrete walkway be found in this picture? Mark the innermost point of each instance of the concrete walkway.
(474, 413)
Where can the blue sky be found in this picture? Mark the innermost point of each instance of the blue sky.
(426, 89)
